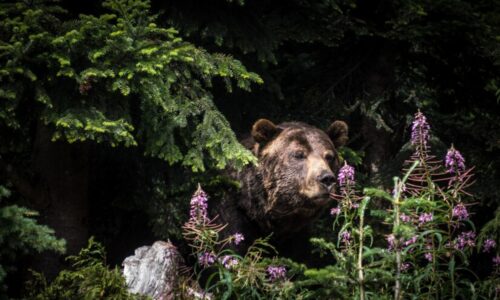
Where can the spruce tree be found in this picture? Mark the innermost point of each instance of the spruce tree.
(117, 78)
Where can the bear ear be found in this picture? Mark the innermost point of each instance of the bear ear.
(337, 131)
(264, 130)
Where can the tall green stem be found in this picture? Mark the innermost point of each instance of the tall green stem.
(397, 286)
(398, 188)
(452, 274)
(361, 275)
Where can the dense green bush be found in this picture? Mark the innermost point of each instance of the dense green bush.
(20, 234)
(89, 278)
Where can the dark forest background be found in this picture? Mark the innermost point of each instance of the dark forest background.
(117, 156)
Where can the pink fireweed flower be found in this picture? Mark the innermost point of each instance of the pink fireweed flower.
(199, 206)
(206, 259)
(405, 267)
(496, 261)
(420, 130)
(454, 161)
(346, 175)
(488, 245)
(391, 241)
(238, 238)
(335, 211)
(405, 218)
(465, 239)
(276, 273)
(428, 256)
(354, 205)
(346, 237)
(424, 218)
(412, 240)
(460, 212)
(229, 262)
(394, 190)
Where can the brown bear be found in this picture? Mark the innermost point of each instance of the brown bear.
(290, 185)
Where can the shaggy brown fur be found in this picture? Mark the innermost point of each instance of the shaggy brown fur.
(290, 185)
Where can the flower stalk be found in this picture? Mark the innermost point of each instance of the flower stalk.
(361, 275)
(398, 190)
(397, 215)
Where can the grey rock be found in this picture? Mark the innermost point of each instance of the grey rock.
(154, 270)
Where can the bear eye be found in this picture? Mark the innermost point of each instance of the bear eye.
(329, 157)
(299, 155)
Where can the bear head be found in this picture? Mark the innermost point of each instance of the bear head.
(296, 172)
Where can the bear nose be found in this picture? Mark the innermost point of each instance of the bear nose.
(327, 179)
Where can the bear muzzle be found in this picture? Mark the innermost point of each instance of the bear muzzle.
(327, 180)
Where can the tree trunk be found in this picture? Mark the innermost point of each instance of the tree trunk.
(378, 81)
(62, 170)
(377, 151)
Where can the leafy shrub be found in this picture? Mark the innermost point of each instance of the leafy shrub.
(89, 278)
(20, 234)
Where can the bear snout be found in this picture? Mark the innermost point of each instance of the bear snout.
(326, 179)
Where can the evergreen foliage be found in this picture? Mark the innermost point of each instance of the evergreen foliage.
(20, 234)
(117, 78)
